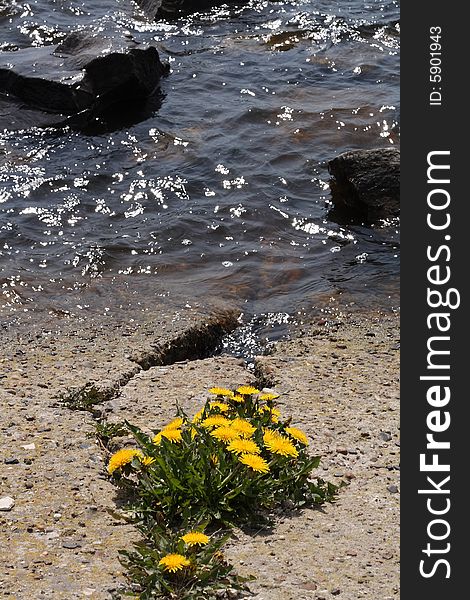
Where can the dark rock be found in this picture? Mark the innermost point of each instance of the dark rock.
(366, 183)
(11, 461)
(392, 489)
(84, 80)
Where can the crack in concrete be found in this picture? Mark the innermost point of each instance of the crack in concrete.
(195, 343)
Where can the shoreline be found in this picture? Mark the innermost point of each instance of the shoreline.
(337, 374)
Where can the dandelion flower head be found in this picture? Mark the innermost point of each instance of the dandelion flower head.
(243, 427)
(247, 390)
(121, 458)
(225, 433)
(195, 538)
(243, 446)
(219, 391)
(174, 562)
(298, 435)
(215, 421)
(172, 435)
(279, 444)
(255, 462)
(268, 397)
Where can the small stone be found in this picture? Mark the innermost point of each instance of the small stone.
(70, 544)
(29, 446)
(336, 592)
(6, 503)
(386, 437)
(392, 489)
(342, 450)
(309, 586)
(11, 460)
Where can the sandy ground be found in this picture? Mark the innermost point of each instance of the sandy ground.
(339, 380)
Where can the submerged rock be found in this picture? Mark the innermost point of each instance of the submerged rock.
(366, 183)
(76, 83)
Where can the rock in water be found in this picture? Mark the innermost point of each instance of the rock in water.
(76, 83)
(366, 183)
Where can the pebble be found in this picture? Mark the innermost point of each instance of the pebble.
(29, 446)
(309, 586)
(70, 544)
(386, 437)
(392, 489)
(11, 460)
(6, 503)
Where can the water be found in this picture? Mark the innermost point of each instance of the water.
(223, 193)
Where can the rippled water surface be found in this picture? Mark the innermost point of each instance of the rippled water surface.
(223, 193)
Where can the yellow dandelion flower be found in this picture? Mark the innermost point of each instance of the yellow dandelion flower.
(121, 458)
(275, 413)
(174, 562)
(255, 462)
(157, 439)
(243, 427)
(172, 435)
(242, 446)
(193, 432)
(146, 460)
(269, 435)
(247, 390)
(195, 538)
(198, 416)
(215, 421)
(298, 435)
(220, 405)
(268, 397)
(279, 444)
(237, 398)
(225, 434)
(219, 391)
(175, 424)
